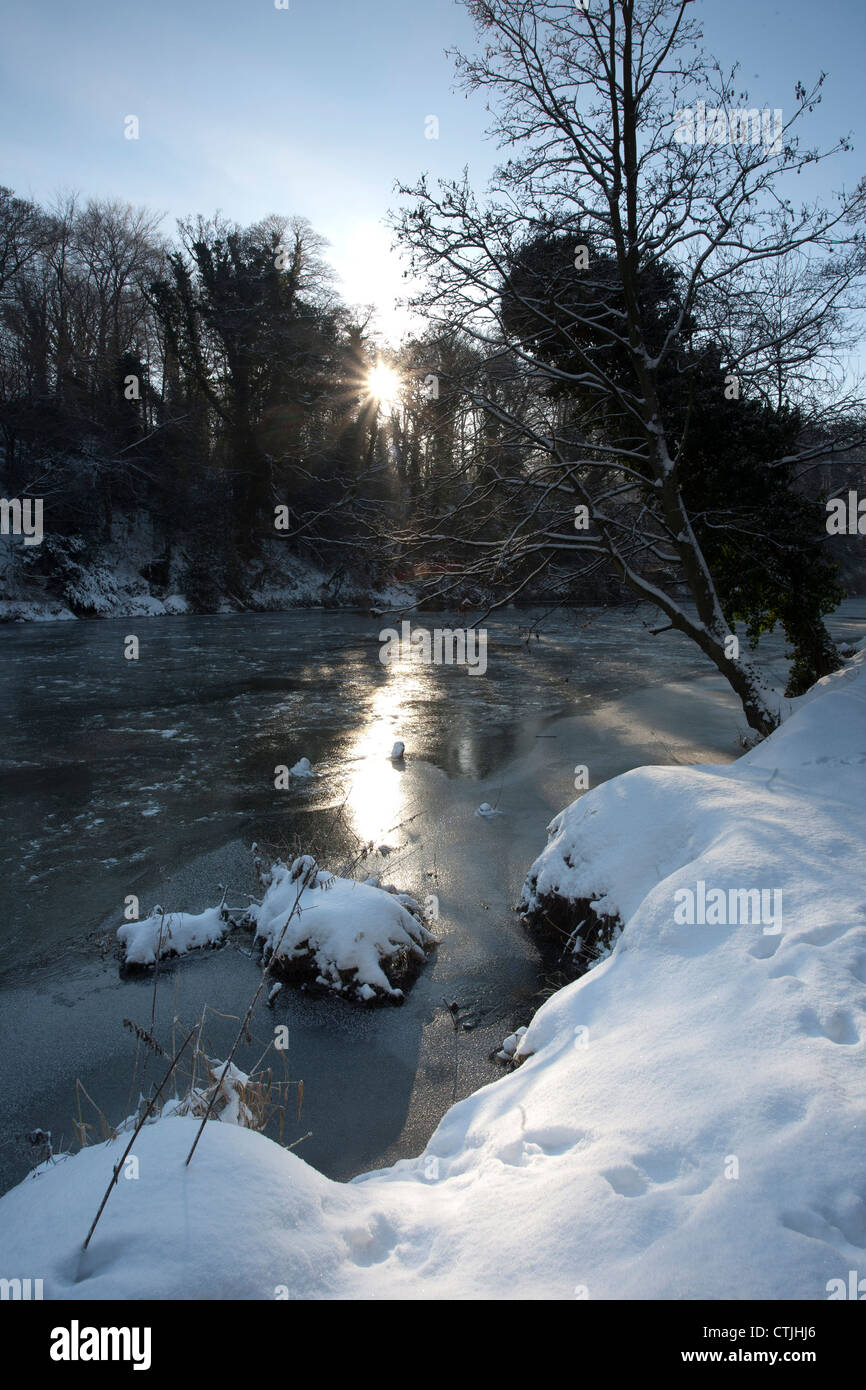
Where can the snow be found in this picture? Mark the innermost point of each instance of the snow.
(687, 1121)
(347, 935)
(33, 611)
(96, 603)
(353, 938)
(511, 1046)
(111, 583)
(669, 820)
(170, 934)
(229, 1105)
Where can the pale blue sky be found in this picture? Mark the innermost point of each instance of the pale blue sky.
(316, 110)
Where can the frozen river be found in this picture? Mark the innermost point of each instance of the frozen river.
(152, 777)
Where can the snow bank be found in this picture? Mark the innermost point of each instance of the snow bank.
(132, 606)
(355, 938)
(111, 583)
(33, 611)
(175, 1225)
(688, 1120)
(640, 839)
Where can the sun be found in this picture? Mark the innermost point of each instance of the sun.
(384, 385)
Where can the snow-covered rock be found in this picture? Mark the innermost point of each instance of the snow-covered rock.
(357, 939)
(510, 1050)
(650, 835)
(170, 934)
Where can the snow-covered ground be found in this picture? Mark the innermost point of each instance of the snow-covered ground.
(688, 1120)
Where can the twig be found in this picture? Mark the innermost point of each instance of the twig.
(146, 1114)
(304, 879)
(156, 970)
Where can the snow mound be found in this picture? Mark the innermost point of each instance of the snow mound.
(269, 1209)
(170, 934)
(354, 938)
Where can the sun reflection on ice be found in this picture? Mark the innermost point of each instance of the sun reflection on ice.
(376, 800)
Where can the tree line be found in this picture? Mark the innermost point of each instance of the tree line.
(190, 386)
(193, 385)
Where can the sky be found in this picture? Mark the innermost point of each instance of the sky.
(316, 110)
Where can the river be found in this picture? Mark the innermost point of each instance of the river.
(151, 777)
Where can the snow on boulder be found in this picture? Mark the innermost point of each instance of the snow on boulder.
(642, 836)
(170, 934)
(360, 940)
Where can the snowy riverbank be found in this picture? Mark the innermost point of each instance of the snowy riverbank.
(120, 581)
(688, 1122)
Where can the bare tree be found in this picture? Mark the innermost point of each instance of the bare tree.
(119, 254)
(24, 232)
(634, 153)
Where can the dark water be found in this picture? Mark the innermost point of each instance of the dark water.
(152, 777)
